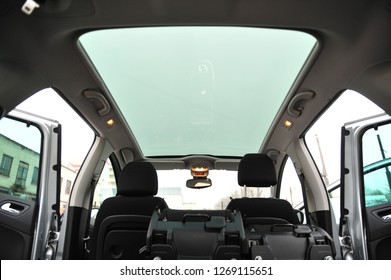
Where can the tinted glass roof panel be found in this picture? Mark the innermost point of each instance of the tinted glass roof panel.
(198, 90)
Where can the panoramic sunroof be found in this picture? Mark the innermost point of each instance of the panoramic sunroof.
(198, 90)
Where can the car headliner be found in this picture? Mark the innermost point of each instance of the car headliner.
(41, 50)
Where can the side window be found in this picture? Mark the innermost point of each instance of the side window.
(334, 191)
(290, 188)
(323, 139)
(106, 187)
(376, 158)
(20, 148)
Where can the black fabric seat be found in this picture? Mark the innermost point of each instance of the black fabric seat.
(122, 221)
(257, 170)
(269, 208)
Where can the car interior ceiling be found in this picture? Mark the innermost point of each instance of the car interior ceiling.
(356, 33)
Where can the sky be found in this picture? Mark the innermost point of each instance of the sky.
(349, 107)
(77, 136)
(17, 131)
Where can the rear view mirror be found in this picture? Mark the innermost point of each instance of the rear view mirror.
(200, 178)
(199, 183)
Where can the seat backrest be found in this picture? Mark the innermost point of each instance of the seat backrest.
(122, 222)
(270, 208)
(257, 170)
(196, 234)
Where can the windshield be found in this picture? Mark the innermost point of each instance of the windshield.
(198, 90)
(224, 188)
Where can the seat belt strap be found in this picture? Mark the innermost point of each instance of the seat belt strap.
(307, 213)
(86, 237)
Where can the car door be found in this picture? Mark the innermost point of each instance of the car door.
(366, 187)
(29, 199)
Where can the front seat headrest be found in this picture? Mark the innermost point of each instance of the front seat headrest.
(138, 179)
(256, 170)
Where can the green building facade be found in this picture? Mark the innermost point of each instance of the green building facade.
(19, 169)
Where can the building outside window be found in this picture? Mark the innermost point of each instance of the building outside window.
(68, 185)
(21, 175)
(5, 165)
(34, 180)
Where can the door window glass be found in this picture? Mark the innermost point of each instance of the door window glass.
(77, 138)
(20, 148)
(376, 153)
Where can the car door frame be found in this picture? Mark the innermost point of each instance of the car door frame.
(354, 228)
(42, 223)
